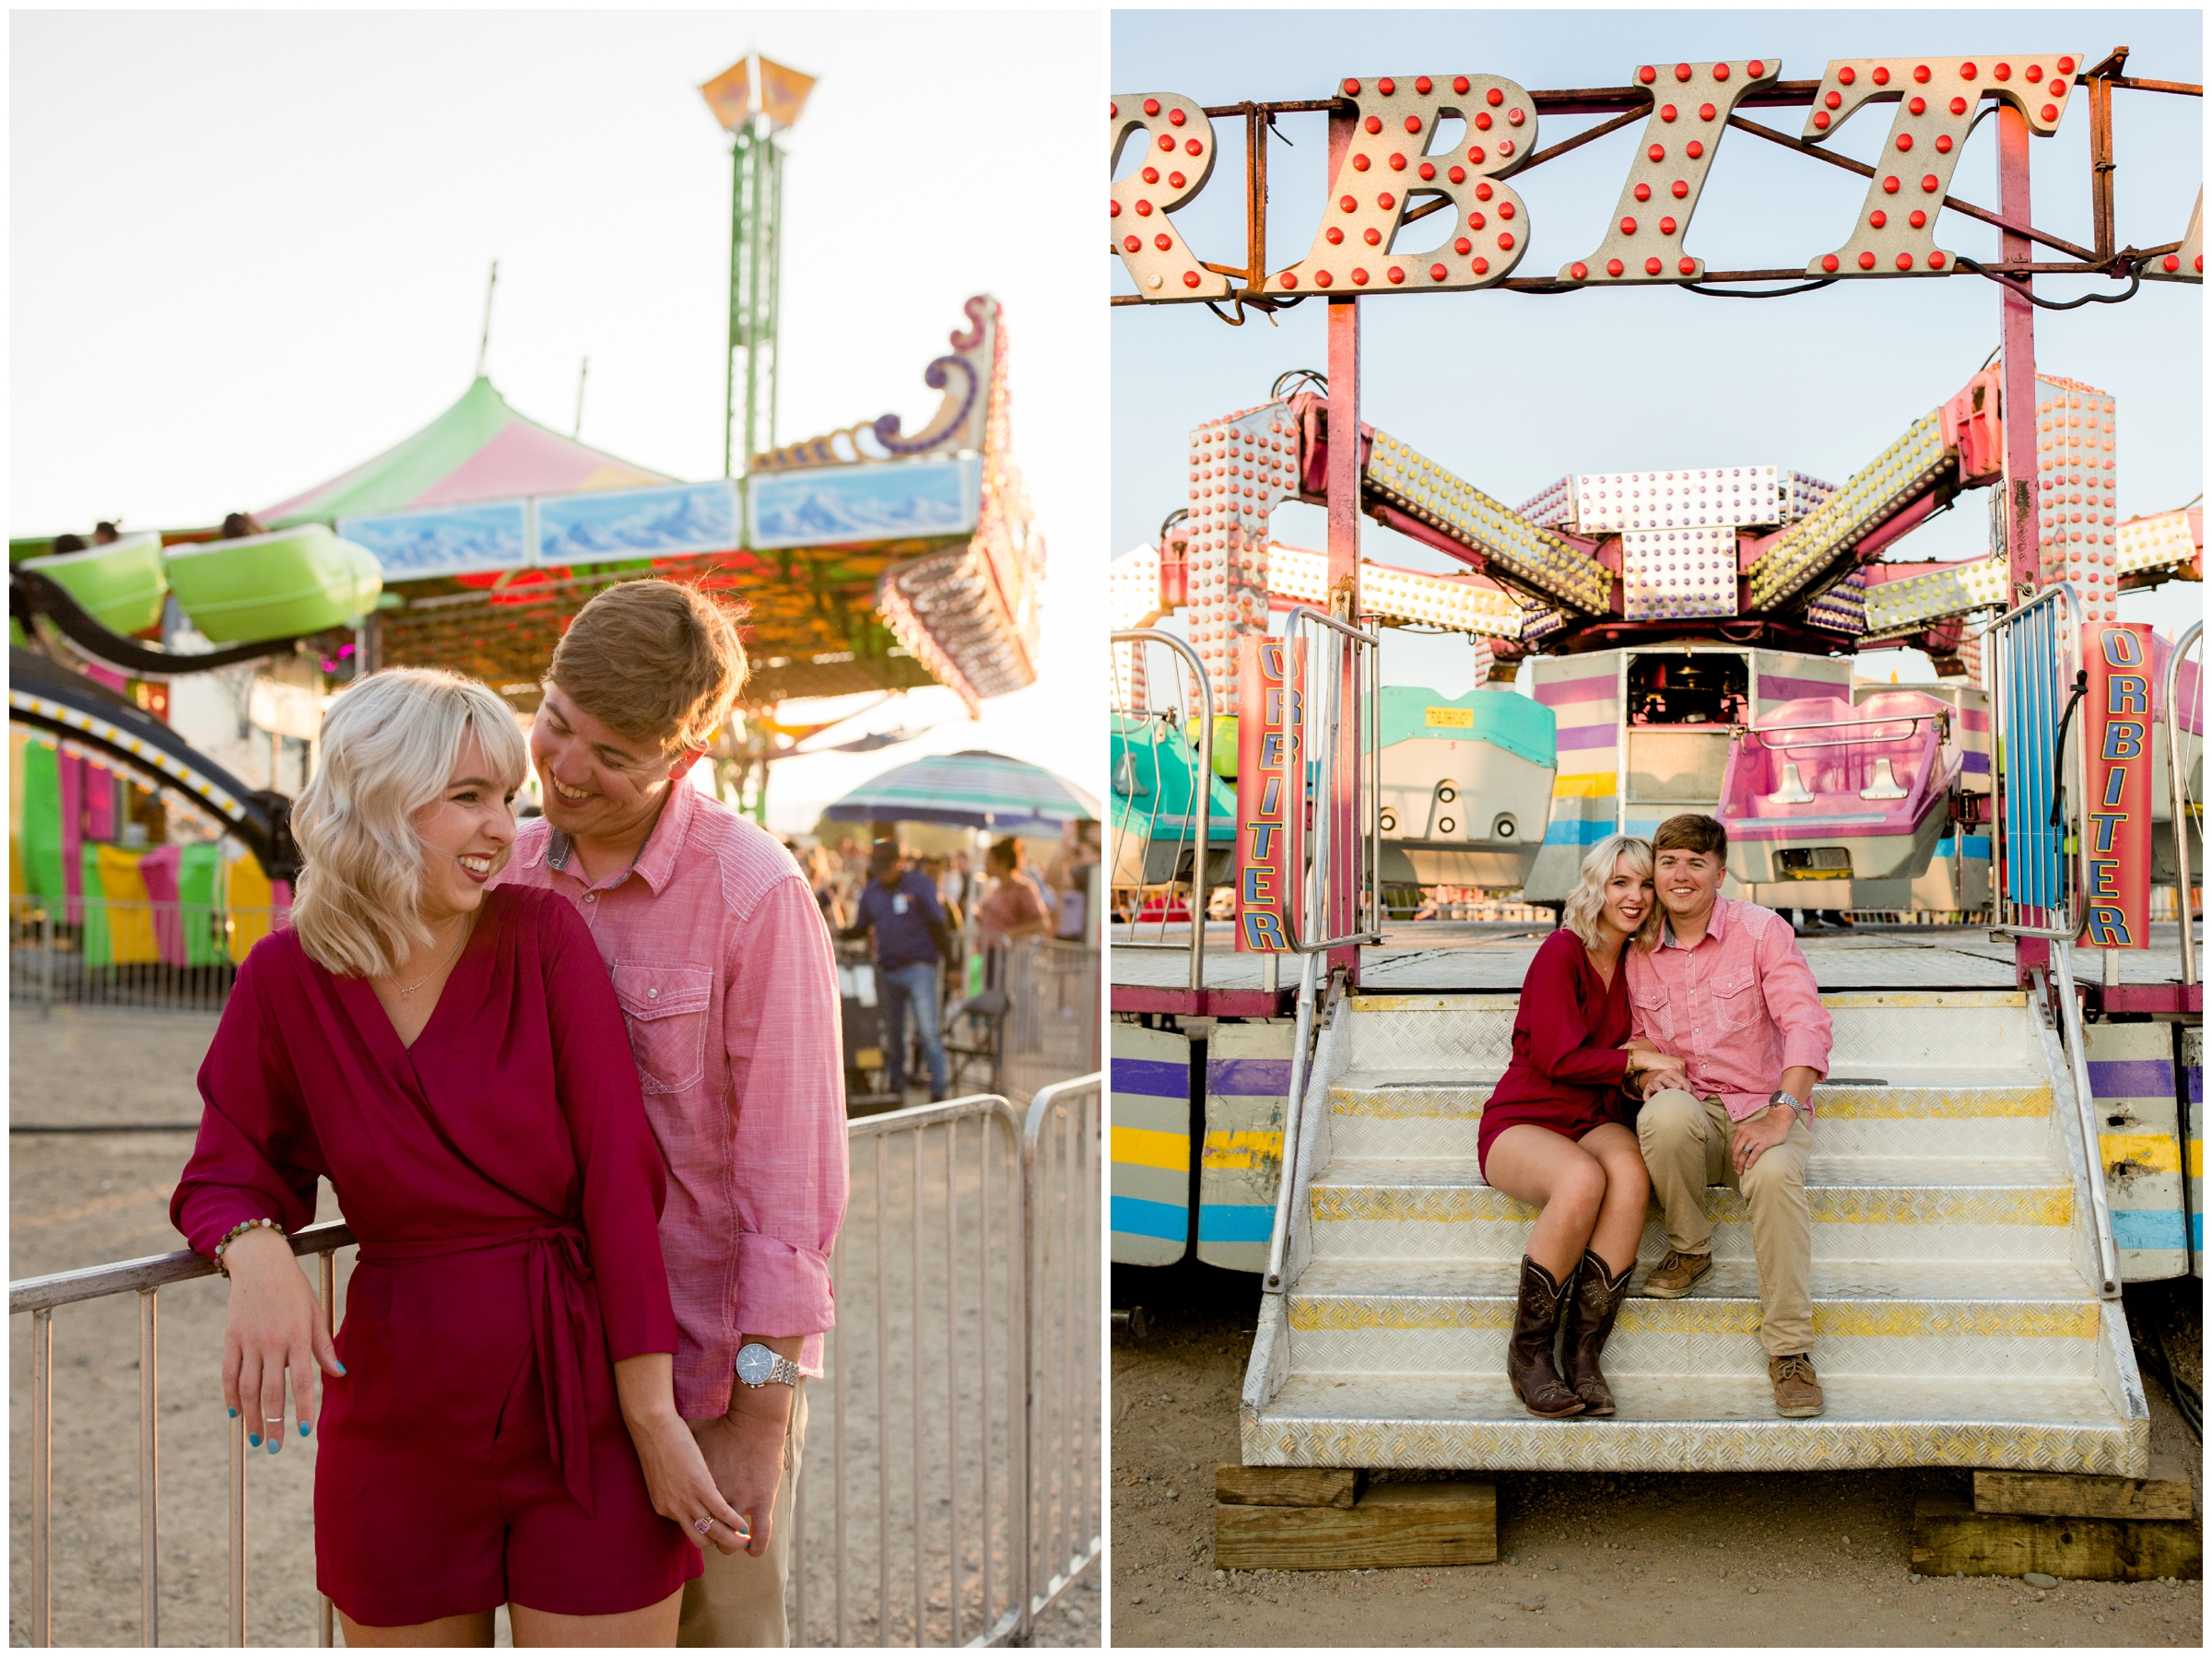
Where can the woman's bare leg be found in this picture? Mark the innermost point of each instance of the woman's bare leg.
(1628, 1195)
(652, 1625)
(470, 1628)
(1537, 1166)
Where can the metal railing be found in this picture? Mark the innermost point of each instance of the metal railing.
(2034, 881)
(1328, 890)
(2177, 777)
(94, 950)
(1021, 1192)
(1134, 701)
(1053, 1014)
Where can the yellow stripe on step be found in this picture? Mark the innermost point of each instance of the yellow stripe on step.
(1148, 1147)
(2157, 1152)
(1904, 1319)
(1589, 785)
(1242, 1148)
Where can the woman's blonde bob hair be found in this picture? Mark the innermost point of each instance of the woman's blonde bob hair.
(1579, 914)
(389, 744)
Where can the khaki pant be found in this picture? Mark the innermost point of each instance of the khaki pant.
(1686, 1145)
(740, 1600)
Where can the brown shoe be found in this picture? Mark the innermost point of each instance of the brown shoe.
(1796, 1388)
(1671, 1279)
(1597, 1298)
(1528, 1364)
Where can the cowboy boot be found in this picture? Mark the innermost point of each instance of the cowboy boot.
(1528, 1362)
(1597, 1298)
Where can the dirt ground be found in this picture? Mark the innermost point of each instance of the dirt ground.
(1584, 1559)
(86, 1199)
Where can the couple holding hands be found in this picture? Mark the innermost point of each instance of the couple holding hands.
(578, 1088)
(1658, 1004)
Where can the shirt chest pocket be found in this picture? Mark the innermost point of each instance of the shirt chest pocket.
(665, 1006)
(1655, 1017)
(1735, 1000)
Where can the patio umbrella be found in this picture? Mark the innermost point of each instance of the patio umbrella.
(974, 788)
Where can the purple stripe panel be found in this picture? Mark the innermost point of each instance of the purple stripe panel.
(2130, 1078)
(1774, 688)
(1255, 1079)
(1973, 763)
(1588, 736)
(1597, 687)
(1161, 1078)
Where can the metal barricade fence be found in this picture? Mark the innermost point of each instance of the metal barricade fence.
(967, 1284)
(1053, 1014)
(99, 951)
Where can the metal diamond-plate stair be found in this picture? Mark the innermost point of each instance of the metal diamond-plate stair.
(1955, 1307)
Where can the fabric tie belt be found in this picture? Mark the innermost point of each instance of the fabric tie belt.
(560, 1273)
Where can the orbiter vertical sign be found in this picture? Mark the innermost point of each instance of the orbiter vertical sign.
(2117, 726)
(1271, 792)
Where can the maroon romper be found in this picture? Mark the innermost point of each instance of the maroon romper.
(1568, 1055)
(506, 1191)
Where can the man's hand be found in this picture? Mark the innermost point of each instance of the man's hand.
(1759, 1135)
(744, 1451)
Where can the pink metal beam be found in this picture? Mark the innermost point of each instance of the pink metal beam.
(1342, 791)
(2017, 318)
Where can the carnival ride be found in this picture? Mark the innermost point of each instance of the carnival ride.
(1997, 1131)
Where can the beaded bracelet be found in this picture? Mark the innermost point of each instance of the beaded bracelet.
(236, 1233)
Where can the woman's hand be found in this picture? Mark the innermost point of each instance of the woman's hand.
(273, 1328)
(676, 1473)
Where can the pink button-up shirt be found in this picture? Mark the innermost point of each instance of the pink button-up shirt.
(728, 987)
(1739, 1008)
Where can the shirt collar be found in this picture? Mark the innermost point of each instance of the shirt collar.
(656, 859)
(1715, 926)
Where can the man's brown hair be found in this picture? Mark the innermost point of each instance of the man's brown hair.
(658, 661)
(1690, 832)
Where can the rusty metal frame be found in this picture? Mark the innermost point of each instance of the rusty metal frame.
(1630, 104)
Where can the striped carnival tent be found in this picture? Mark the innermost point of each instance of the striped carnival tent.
(972, 788)
(480, 449)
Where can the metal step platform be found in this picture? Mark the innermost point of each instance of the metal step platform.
(1956, 1313)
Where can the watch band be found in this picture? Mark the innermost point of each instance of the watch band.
(780, 1369)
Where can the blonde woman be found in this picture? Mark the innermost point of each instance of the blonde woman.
(500, 1422)
(1553, 1132)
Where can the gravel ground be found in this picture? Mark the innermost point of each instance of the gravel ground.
(86, 1199)
(1584, 1559)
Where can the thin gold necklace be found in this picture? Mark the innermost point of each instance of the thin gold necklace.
(407, 990)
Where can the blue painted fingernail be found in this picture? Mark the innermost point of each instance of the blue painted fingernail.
(272, 1445)
(233, 1414)
(255, 1437)
(303, 1430)
(341, 1366)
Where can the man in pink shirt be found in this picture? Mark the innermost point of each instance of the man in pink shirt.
(724, 969)
(1728, 992)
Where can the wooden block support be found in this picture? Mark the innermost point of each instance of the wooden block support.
(1288, 1486)
(2164, 1495)
(1949, 1536)
(1390, 1525)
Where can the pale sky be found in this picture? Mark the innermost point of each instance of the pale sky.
(248, 250)
(1513, 391)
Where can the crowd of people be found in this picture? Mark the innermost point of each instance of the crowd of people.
(1010, 898)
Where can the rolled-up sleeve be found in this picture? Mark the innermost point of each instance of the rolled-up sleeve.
(1792, 998)
(785, 1047)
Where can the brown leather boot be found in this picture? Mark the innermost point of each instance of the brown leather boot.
(1597, 1298)
(1528, 1364)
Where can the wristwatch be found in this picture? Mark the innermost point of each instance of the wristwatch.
(757, 1366)
(1783, 1096)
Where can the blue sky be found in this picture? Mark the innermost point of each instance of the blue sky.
(1512, 391)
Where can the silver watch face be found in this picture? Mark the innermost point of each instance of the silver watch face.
(756, 1363)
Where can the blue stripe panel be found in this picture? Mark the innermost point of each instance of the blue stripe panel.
(1257, 1078)
(1143, 1219)
(2147, 1228)
(1570, 832)
(2197, 1226)
(2130, 1078)
(1977, 845)
(1162, 1078)
(1241, 1222)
